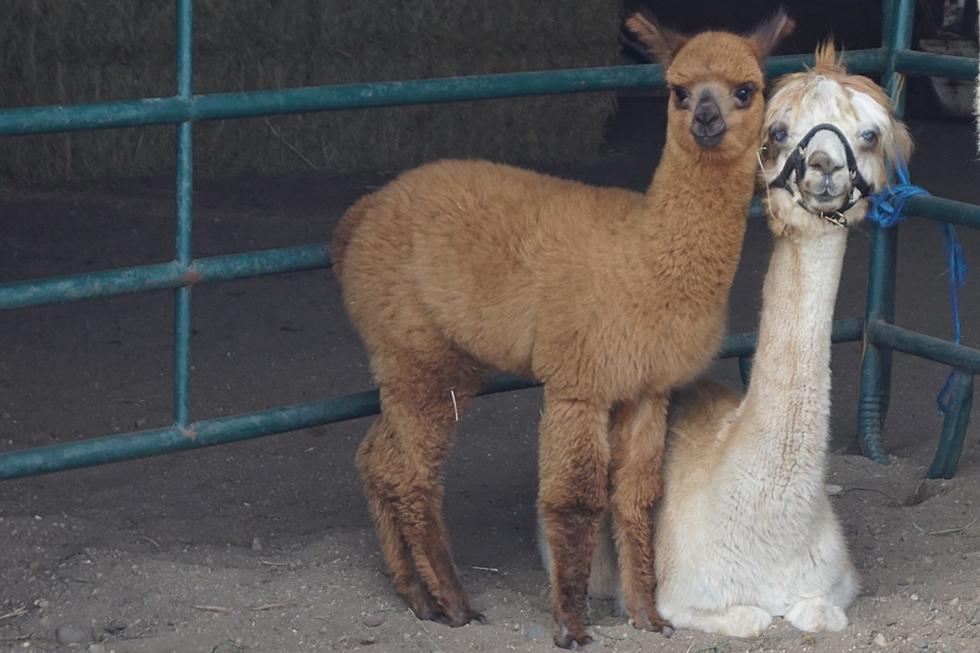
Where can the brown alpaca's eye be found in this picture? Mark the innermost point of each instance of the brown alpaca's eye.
(743, 94)
(681, 94)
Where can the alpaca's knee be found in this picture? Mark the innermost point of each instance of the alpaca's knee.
(585, 494)
(639, 432)
(630, 501)
(363, 458)
(419, 506)
(371, 461)
(569, 514)
(574, 457)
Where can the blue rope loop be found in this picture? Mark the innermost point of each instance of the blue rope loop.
(886, 209)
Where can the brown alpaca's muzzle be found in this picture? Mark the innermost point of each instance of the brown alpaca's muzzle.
(708, 125)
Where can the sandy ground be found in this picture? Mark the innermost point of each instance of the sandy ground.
(266, 545)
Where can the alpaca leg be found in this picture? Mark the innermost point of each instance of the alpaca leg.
(423, 411)
(733, 621)
(815, 615)
(405, 576)
(637, 435)
(604, 573)
(574, 461)
(604, 577)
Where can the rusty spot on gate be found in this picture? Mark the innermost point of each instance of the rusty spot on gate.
(189, 278)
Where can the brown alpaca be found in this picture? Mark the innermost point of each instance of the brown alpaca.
(610, 298)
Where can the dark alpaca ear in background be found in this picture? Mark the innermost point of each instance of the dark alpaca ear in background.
(770, 32)
(660, 42)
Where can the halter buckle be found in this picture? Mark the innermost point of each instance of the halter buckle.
(835, 218)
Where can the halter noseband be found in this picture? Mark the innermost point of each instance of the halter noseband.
(795, 168)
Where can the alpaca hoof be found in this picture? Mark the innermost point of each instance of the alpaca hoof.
(815, 615)
(439, 618)
(424, 606)
(566, 640)
(651, 620)
(463, 617)
(430, 614)
(745, 621)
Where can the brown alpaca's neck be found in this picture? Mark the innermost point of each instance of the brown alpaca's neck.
(704, 178)
(696, 210)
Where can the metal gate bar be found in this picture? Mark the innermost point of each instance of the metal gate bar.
(213, 269)
(182, 273)
(184, 202)
(881, 337)
(250, 104)
(876, 362)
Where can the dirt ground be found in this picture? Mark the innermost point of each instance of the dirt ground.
(266, 545)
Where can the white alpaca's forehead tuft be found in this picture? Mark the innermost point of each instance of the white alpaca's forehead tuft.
(870, 112)
(824, 99)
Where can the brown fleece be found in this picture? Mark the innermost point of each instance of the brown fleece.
(605, 295)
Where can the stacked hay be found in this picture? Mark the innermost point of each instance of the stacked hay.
(66, 52)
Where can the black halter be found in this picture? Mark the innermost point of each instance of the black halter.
(795, 168)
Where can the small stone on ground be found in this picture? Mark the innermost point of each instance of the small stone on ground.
(71, 634)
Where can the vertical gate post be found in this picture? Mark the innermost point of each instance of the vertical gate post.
(876, 362)
(184, 217)
(954, 426)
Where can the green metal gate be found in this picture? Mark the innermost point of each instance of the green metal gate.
(880, 336)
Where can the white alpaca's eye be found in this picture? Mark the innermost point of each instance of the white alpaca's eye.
(779, 135)
(869, 136)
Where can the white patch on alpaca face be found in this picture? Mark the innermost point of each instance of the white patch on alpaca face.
(876, 117)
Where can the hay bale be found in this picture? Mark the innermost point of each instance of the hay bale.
(65, 52)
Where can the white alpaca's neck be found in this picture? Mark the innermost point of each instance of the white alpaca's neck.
(783, 419)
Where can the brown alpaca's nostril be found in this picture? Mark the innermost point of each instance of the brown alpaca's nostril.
(708, 125)
(707, 117)
(707, 112)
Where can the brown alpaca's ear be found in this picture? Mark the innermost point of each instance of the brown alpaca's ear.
(659, 41)
(770, 32)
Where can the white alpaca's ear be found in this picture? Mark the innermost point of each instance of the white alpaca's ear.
(903, 141)
(770, 32)
(660, 42)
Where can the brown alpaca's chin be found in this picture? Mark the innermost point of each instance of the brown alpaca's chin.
(708, 141)
(723, 149)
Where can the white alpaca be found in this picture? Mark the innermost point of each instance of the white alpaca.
(745, 530)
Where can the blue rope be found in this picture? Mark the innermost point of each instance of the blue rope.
(886, 209)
